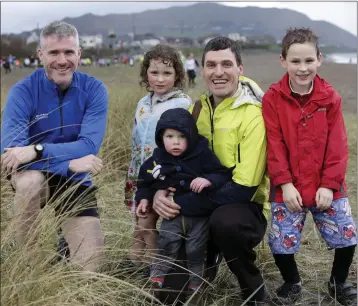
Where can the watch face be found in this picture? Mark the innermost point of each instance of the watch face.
(39, 147)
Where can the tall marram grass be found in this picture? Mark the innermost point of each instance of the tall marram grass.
(32, 276)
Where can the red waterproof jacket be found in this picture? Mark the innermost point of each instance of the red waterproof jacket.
(307, 143)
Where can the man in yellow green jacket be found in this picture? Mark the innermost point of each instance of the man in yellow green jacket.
(231, 119)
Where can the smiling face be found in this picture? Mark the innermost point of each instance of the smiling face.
(221, 73)
(301, 64)
(161, 76)
(60, 57)
(175, 142)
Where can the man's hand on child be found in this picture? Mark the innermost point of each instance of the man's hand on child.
(291, 197)
(324, 198)
(164, 206)
(141, 210)
(198, 184)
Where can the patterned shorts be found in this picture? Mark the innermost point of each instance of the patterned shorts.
(335, 224)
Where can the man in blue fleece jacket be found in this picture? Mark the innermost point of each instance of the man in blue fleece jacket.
(53, 125)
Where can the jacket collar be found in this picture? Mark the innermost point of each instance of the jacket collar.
(248, 92)
(319, 90)
(297, 93)
(48, 84)
(175, 93)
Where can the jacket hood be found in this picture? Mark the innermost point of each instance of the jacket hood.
(321, 88)
(249, 92)
(181, 120)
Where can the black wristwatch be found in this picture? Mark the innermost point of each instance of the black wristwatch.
(39, 149)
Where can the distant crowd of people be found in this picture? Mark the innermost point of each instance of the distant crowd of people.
(190, 63)
(11, 62)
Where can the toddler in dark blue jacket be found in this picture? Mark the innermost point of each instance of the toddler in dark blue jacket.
(182, 161)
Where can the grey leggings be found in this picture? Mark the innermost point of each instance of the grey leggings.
(194, 233)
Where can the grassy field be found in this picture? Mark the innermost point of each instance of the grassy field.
(29, 276)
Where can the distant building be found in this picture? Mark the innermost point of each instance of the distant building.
(5, 39)
(181, 41)
(145, 40)
(91, 41)
(237, 37)
(33, 38)
(123, 41)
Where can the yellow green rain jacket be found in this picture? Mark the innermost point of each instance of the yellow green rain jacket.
(237, 135)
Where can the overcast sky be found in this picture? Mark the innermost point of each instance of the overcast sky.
(17, 17)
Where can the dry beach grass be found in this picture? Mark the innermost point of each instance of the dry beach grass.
(28, 275)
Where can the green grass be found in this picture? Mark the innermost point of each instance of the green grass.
(29, 277)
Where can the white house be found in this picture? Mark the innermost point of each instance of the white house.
(150, 42)
(91, 41)
(145, 40)
(237, 36)
(32, 38)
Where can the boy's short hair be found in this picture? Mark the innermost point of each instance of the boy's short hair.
(223, 43)
(298, 36)
(169, 55)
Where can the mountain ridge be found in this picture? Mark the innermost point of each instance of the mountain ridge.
(203, 18)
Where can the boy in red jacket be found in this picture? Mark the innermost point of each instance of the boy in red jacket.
(307, 161)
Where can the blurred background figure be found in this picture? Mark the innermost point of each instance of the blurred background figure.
(6, 65)
(190, 67)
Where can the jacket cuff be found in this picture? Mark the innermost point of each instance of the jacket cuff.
(330, 184)
(282, 179)
(209, 178)
(45, 153)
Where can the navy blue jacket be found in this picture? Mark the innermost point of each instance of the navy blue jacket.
(179, 171)
(69, 126)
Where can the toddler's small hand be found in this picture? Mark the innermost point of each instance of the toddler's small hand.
(198, 184)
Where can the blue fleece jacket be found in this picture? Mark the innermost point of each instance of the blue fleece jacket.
(69, 126)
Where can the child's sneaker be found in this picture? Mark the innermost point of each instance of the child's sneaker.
(344, 293)
(289, 293)
(156, 282)
(194, 295)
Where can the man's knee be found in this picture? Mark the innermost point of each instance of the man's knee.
(226, 224)
(87, 229)
(221, 221)
(29, 183)
(86, 241)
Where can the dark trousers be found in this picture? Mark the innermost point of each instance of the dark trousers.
(235, 230)
(191, 77)
(193, 233)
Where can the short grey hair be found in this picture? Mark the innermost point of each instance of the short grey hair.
(61, 29)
